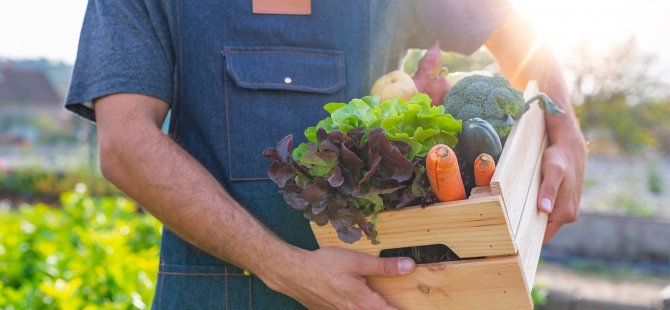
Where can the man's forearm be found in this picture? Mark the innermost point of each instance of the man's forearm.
(175, 188)
(542, 67)
(522, 57)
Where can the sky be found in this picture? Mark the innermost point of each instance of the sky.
(602, 23)
(40, 28)
(50, 29)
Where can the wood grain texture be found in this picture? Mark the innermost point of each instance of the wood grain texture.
(479, 192)
(471, 228)
(489, 283)
(514, 170)
(530, 232)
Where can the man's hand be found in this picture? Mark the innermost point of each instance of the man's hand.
(333, 278)
(560, 193)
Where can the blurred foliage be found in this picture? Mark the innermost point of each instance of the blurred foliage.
(617, 271)
(590, 183)
(618, 91)
(635, 128)
(539, 294)
(36, 182)
(38, 127)
(632, 205)
(621, 69)
(654, 180)
(93, 253)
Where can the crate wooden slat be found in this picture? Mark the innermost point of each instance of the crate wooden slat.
(514, 170)
(448, 223)
(531, 228)
(497, 280)
(498, 231)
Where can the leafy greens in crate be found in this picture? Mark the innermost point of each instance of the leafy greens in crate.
(368, 156)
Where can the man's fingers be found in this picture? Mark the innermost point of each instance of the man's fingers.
(552, 228)
(387, 267)
(553, 171)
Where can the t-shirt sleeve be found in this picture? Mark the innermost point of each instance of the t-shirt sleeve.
(124, 47)
(460, 26)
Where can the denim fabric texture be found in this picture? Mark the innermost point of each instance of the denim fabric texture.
(238, 82)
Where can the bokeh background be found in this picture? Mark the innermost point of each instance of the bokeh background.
(70, 240)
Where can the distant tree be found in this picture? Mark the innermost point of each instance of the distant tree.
(618, 91)
(654, 116)
(622, 70)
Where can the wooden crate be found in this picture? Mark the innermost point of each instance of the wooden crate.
(497, 233)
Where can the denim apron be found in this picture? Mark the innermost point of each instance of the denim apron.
(244, 81)
(238, 82)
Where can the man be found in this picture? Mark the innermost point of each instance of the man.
(236, 81)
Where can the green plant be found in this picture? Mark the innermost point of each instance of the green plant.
(93, 253)
(37, 182)
(654, 181)
(413, 121)
(342, 179)
(540, 290)
(539, 294)
(590, 183)
(632, 205)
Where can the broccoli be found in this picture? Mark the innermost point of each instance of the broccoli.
(493, 99)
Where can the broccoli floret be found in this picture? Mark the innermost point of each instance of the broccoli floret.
(493, 99)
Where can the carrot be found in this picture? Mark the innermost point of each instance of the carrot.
(444, 174)
(485, 166)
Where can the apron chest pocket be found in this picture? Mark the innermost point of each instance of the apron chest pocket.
(271, 92)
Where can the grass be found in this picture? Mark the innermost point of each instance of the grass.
(590, 183)
(633, 206)
(614, 271)
(655, 181)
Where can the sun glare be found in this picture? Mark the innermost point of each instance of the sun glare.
(569, 22)
(601, 25)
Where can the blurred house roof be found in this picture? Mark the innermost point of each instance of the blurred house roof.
(29, 87)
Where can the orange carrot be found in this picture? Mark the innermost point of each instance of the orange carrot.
(485, 166)
(444, 174)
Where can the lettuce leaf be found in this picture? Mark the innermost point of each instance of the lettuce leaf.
(414, 121)
(343, 178)
(366, 157)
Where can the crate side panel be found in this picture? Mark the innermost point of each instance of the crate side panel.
(490, 283)
(515, 167)
(471, 228)
(531, 229)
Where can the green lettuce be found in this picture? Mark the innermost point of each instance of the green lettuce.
(366, 157)
(412, 121)
(342, 180)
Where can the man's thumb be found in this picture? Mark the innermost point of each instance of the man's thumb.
(389, 267)
(552, 177)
